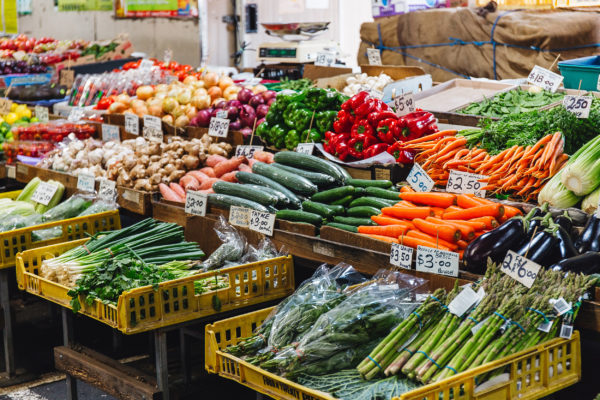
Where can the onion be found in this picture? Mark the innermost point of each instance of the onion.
(144, 92)
(168, 119)
(244, 95)
(137, 103)
(234, 103)
(162, 87)
(232, 112)
(214, 112)
(191, 111)
(268, 95)
(141, 111)
(262, 110)
(259, 89)
(271, 102)
(190, 79)
(210, 79)
(124, 99)
(155, 109)
(198, 84)
(203, 118)
(235, 125)
(225, 82)
(184, 97)
(256, 100)
(200, 91)
(231, 91)
(201, 101)
(215, 92)
(221, 104)
(246, 131)
(260, 121)
(116, 108)
(160, 95)
(169, 104)
(182, 121)
(247, 115)
(217, 100)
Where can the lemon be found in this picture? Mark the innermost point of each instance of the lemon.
(13, 106)
(23, 112)
(11, 118)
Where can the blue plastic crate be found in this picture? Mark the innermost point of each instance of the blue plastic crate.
(586, 70)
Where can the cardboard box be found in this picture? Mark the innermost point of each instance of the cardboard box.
(395, 72)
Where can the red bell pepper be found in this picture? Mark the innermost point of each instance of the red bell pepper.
(344, 122)
(337, 138)
(401, 155)
(362, 127)
(375, 117)
(388, 130)
(342, 150)
(357, 100)
(359, 144)
(367, 107)
(327, 142)
(418, 123)
(375, 149)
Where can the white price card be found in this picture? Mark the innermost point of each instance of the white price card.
(195, 203)
(76, 114)
(305, 148)
(111, 133)
(146, 64)
(239, 216)
(465, 182)
(578, 105)
(221, 114)
(520, 269)
(5, 105)
(544, 78)
(566, 331)
(262, 222)
(561, 306)
(401, 256)
(132, 124)
(152, 134)
(41, 113)
(437, 261)
(44, 193)
(86, 182)
(419, 180)
(378, 94)
(107, 190)
(404, 104)
(463, 302)
(152, 122)
(374, 56)
(325, 58)
(247, 150)
(11, 172)
(218, 127)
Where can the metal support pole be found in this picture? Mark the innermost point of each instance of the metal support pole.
(67, 325)
(162, 370)
(9, 356)
(185, 356)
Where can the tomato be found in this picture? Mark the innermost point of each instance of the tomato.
(105, 103)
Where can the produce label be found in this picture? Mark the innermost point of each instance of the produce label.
(247, 151)
(374, 56)
(465, 182)
(44, 193)
(566, 331)
(561, 306)
(239, 216)
(305, 148)
(152, 134)
(41, 113)
(545, 326)
(146, 64)
(544, 78)
(262, 222)
(76, 114)
(107, 190)
(419, 180)
(5, 105)
(110, 133)
(477, 327)
(85, 182)
(67, 76)
(578, 105)
(401, 256)
(132, 124)
(221, 114)
(520, 269)
(152, 122)
(325, 58)
(195, 203)
(404, 104)
(218, 127)
(463, 302)
(437, 261)
(11, 172)
(378, 94)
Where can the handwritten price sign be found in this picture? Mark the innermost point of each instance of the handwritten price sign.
(195, 203)
(465, 182)
(374, 56)
(544, 78)
(153, 134)
(404, 104)
(218, 127)
(132, 124)
(325, 58)
(107, 190)
(419, 180)
(262, 222)
(520, 269)
(578, 105)
(41, 113)
(85, 182)
(247, 151)
(239, 216)
(110, 133)
(44, 193)
(401, 256)
(305, 148)
(437, 261)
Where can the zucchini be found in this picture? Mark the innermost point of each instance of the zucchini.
(384, 184)
(327, 196)
(225, 201)
(349, 228)
(336, 209)
(249, 177)
(344, 201)
(282, 200)
(354, 221)
(246, 192)
(299, 160)
(372, 202)
(383, 193)
(317, 208)
(317, 178)
(300, 216)
(289, 180)
(363, 211)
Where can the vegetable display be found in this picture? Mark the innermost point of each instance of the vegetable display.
(513, 102)
(358, 83)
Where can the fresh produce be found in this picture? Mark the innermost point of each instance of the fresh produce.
(294, 84)
(358, 82)
(10, 67)
(513, 102)
(54, 131)
(14, 148)
(581, 174)
(47, 91)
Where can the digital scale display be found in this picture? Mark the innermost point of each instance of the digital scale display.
(277, 52)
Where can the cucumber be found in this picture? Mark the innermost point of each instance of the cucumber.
(336, 209)
(310, 162)
(360, 191)
(291, 181)
(344, 201)
(317, 178)
(384, 184)
(372, 202)
(363, 211)
(354, 221)
(317, 208)
(282, 200)
(300, 216)
(383, 193)
(249, 177)
(225, 201)
(246, 192)
(349, 228)
(327, 196)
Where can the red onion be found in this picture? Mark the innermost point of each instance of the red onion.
(244, 95)
(234, 103)
(232, 112)
(235, 125)
(220, 105)
(262, 110)
(268, 95)
(260, 121)
(256, 100)
(247, 115)
(271, 102)
(214, 112)
(246, 131)
(202, 118)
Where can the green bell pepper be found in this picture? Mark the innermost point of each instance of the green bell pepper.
(264, 131)
(312, 135)
(278, 134)
(292, 139)
(324, 120)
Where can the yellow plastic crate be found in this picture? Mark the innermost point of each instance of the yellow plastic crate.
(174, 301)
(533, 373)
(10, 195)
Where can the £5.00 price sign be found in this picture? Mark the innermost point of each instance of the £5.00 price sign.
(401, 256)
(247, 150)
(437, 261)
(195, 203)
(544, 78)
(218, 127)
(520, 269)
(404, 104)
(305, 148)
(578, 105)
(465, 182)
(44, 193)
(262, 222)
(419, 180)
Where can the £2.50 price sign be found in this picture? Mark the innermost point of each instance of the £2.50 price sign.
(465, 182)
(578, 105)
(520, 268)
(437, 261)
(262, 222)
(419, 180)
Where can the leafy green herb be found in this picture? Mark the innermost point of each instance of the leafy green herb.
(512, 102)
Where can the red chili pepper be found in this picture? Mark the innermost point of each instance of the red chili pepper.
(362, 127)
(357, 100)
(375, 117)
(387, 130)
(366, 108)
(344, 121)
(375, 149)
(418, 123)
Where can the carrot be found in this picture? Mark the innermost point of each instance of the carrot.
(438, 211)
(404, 203)
(414, 242)
(477, 234)
(493, 210)
(490, 222)
(461, 253)
(213, 160)
(168, 193)
(207, 184)
(466, 232)
(189, 182)
(406, 189)
(177, 189)
(208, 171)
(443, 200)
(453, 208)
(227, 166)
(387, 230)
(510, 211)
(383, 220)
(407, 212)
(425, 236)
(476, 225)
(380, 237)
(427, 138)
(465, 201)
(462, 244)
(445, 232)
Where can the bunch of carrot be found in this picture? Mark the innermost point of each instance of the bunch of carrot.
(444, 221)
(519, 170)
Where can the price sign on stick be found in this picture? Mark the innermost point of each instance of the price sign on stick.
(305, 148)
(520, 269)
(85, 182)
(110, 132)
(153, 134)
(465, 182)
(544, 78)
(195, 203)
(247, 151)
(401, 256)
(41, 113)
(578, 105)
(404, 104)
(239, 216)
(374, 56)
(107, 189)
(419, 180)
(132, 124)
(437, 261)
(44, 193)
(218, 127)
(262, 222)
(5, 105)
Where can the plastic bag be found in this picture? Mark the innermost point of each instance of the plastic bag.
(98, 206)
(232, 249)
(69, 208)
(264, 251)
(19, 221)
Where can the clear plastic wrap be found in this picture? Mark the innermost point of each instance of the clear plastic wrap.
(232, 249)
(19, 221)
(69, 208)
(263, 251)
(98, 206)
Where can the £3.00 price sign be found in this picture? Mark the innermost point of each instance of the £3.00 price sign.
(578, 105)
(262, 222)
(419, 180)
(404, 104)
(44, 193)
(520, 269)
(195, 203)
(437, 261)
(465, 182)
(544, 78)
(247, 150)
(401, 256)
(218, 127)
(305, 148)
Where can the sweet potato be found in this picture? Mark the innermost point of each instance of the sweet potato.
(199, 175)
(168, 193)
(188, 182)
(207, 184)
(227, 166)
(213, 160)
(245, 168)
(264, 156)
(229, 177)
(177, 189)
(208, 171)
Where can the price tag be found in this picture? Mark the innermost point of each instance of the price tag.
(146, 64)
(404, 104)
(67, 77)
(5, 105)
(107, 190)
(86, 182)
(11, 171)
(477, 327)
(76, 114)
(401, 256)
(561, 306)
(325, 58)
(221, 114)
(152, 122)
(545, 326)
(44, 193)
(305, 148)
(519, 268)
(437, 261)
(195, 203)
(578, 105)
(378, 94)
(239, 216)
(566, 331)
(168, 56)
(419, 180)
(132, 124)
(111, 132)
(465, 182)
(262, 222)
(544, 78)
(247, 151)
(153, 134)
(374, 56)
(218, 127)
(463, 302)
(41, 113)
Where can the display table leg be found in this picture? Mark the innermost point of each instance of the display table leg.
(9, 356)
(185, 356)
(67, 324)
(162, 370)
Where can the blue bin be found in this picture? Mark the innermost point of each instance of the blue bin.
(586, 70)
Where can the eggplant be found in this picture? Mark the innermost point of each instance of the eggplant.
(589, 233)
(587, 263)
(537, 224)
(565, 244)
(564, 221)
(535, 215)
(542, 249)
